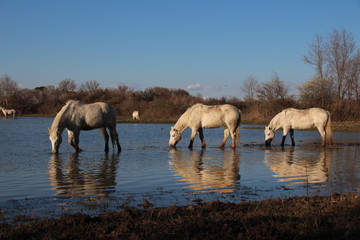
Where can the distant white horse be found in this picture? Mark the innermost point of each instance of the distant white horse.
(136, 115)
(75, 116)
(291, 118)
(202, 116)
(8, 112)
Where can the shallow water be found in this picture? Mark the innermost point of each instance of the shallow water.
(35, 182)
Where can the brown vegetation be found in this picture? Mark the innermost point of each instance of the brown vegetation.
(334, 217)
(161, 104)
(334, 87)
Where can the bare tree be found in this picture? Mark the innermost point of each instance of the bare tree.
(340, 49)
(67, 85)
(8, 88)
(275, 89)
(317, 56)
(90, 85)
(249, 86)
(353, 77)
(316, 92)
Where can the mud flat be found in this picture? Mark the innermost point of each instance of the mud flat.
(330, 217)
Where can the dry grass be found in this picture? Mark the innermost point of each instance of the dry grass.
(346, 126)
(334, 217)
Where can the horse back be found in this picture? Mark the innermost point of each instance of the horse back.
(214, 116)
(307, 118)
(97, 115)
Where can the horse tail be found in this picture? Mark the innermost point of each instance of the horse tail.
(238, 129)
(328, 130)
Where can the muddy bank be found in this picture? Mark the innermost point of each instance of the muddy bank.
(334, 217)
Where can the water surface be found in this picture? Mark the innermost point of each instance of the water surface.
(34, 181)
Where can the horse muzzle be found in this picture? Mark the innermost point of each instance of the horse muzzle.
(172, 145)
(55, 150)
(268, 142)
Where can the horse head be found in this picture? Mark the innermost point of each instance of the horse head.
(269, 135)
(55, 139)
(175, 136)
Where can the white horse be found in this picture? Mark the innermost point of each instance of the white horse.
(291, 118)
(202, 116)
(75, 116)
(136, 115)
(8, 112)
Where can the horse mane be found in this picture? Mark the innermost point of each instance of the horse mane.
(71, 101)
(275, 120)
(181, 123)
(288, 109)
(64, 109)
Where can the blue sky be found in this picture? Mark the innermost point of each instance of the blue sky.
(203, 46)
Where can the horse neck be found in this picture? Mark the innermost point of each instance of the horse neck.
(182, 122)
(60, 119)
(275, 123)
(58, 125)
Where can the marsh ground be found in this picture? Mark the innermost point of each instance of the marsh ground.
(331, 217)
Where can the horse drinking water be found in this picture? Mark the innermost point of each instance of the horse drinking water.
(75, 116)
(201, 116)
(291, 118)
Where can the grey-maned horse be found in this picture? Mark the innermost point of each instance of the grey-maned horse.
(291, 118)
(75, 116)
(201, 116)
(8, 112)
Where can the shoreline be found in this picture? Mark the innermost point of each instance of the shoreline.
(326, 217)
(346, 126)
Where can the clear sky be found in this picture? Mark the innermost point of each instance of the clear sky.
(203, 46)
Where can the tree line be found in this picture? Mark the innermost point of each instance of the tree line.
(335, 86)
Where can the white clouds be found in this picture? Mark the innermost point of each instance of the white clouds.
(208, 88)
(194, 87)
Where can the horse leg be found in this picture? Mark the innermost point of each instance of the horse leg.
(106, 138)
(285, 132)
(233, 139)
(77, 140)
(201, 135)
(292, 137)
(73, 139)
(323, 136)
(192, 137)
(226, 135)
(115, 138)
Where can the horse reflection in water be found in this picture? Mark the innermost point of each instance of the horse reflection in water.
(206, 172)
(80, 176)
(298, 167)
